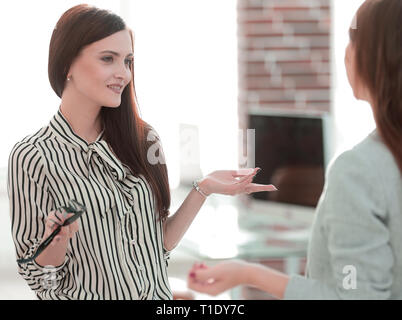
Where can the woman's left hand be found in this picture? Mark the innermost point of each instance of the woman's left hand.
(232, 182)
(219, 278)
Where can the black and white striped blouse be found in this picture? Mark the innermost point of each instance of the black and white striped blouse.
(118, 252)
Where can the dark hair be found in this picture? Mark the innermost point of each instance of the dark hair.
(378, 46)
(125, 131)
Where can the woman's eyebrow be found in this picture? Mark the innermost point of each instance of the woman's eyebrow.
(115, 53)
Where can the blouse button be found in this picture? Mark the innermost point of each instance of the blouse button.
(142, 268)
(132, 241)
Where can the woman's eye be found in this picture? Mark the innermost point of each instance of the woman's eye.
(109, 59)
(106, 59)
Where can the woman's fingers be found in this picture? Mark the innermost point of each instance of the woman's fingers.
(200, 275)
(254, 187)
(244, 172)
(208, 288)
(61, 215)
(204, 275)
(248, 187)
(60, 219)
(52, 222)
(239, 187)
(246, 178)
(202, 279)
(74, 227)
(57, 218)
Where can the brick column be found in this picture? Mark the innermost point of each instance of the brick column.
(284, 56)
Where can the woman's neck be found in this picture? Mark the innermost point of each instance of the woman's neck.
(84, 120)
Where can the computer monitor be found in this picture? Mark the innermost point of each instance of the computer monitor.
(293, 151)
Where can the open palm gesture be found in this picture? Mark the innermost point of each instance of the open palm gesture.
(233, 182)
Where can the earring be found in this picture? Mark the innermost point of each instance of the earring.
(68, 78)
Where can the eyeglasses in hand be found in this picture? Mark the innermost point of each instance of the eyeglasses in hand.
(73, 207)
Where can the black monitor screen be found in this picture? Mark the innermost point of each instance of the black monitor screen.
(290, 152)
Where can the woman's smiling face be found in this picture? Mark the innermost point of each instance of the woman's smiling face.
(103, 69)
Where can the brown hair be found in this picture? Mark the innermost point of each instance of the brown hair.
(125, 131)
(378, 46)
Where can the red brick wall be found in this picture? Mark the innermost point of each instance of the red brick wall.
(284, 56)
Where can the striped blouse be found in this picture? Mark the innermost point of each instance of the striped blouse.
(118, 252)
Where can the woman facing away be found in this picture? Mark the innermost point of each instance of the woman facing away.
(355, 248)
(96, 150)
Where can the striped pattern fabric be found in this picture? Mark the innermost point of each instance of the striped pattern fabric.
(118, 252)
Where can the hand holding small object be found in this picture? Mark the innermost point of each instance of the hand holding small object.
(61, 225)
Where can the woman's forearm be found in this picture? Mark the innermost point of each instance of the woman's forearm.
(267, 279)
(176, 226)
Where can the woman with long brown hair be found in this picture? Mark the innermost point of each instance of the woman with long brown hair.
(355, 249)
(89, 200)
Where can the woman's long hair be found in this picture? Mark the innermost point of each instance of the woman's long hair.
(377, 40)
(125, 131)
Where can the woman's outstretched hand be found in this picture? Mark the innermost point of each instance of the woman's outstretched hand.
(217, 279)
(233, 182)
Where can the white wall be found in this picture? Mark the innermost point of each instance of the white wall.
(185, 64)
(186, 72)
(27, 99)
(353, 118)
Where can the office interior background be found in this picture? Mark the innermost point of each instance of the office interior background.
(220, 81)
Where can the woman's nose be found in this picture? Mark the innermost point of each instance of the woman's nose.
(123, 74)
(119, 77)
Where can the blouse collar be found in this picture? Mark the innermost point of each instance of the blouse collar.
(63, 130)
(99, 152)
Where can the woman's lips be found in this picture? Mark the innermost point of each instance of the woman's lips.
(115, 89)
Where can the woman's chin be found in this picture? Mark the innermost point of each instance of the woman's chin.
(110, 104)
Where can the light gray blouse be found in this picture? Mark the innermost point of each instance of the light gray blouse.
(355, 248)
